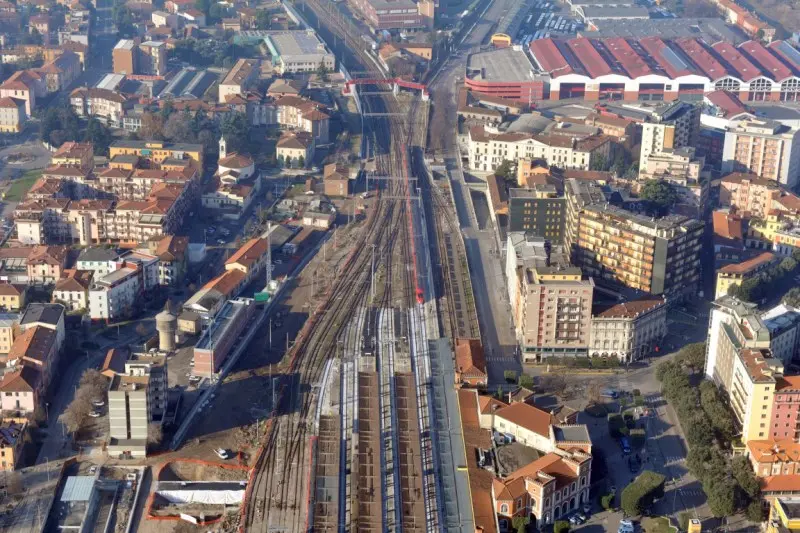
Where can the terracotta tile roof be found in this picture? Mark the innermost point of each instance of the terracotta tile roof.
(33, 345)
(527, 416)
(114, 363)
(739, 177)
(480, 480)
(295, 140)
(727, 102)
(470, 359)
(172, 248)
(632, 309)
(553, 465)
(25, 379)
(249, 253)
(8, 102)
(489, 404)
(9, 289)
(226, 282)
(50, 255)
(75, 281)
(750, 265)
(788, 383)
(236, 161)
(774, 451)
(781, 483)
(727, 225)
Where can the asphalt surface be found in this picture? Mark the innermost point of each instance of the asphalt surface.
(486, 271)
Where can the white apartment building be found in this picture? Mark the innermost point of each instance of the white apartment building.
(766, 148)
(488, 149)
(114, 295)
(136, 398)
(629, 330)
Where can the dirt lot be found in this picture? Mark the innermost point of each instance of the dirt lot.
(198, 471)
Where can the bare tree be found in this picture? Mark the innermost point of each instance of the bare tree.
(93, 385)
(593, 392)
(154, 433)
(177, 128)
(141, 329)
(76, 414)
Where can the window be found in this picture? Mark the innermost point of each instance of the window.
(504, 508)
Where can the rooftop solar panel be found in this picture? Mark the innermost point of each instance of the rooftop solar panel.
(675, 61)
(791, 53)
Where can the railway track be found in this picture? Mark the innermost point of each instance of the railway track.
(278, 497)
(280, 492)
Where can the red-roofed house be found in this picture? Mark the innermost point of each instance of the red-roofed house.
(470, 363)
(250, 258)
(549, 488)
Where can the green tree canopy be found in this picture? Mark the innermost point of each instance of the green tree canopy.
(639, 495)
(660, 195)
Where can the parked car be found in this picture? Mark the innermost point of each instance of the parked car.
(95, 414)
(626, 526)
(98, 402)
(222, 453)
(609, 393)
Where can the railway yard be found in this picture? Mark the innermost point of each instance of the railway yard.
(352, 443)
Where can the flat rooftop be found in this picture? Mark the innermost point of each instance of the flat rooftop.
(129, 383)
(710, 30)
(229, 313)
(507, 64)
(297, 43)
(116, 276)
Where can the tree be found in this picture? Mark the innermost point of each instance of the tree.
(520, 523)
(93, 384)
(281, 161)
(639, 495)
(76, 414)
(203, 5)
(506, 171)
(322, 71)
(178, 128)
(525, 380)
(263, 19)
(561, 526)
(745, 477)
(154, 433)
(755, 512)
(693, 355)
(141, 329)
(607, 501)
(236, 130)
(659, 195)
(792, 297)
(598, 163)
(683, 521)
(721, 495)
(152, 126)
(34, 37)
(99, 135)
(59, 125)
(301, 162)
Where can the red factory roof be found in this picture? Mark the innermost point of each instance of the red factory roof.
(701, 57)
(632, 62)
(770, 65)
(673, 64)
(589, 57)
(788, 53)
(550, 57)
(742, 67)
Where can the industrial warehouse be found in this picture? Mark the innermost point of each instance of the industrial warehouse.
(649, 68)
